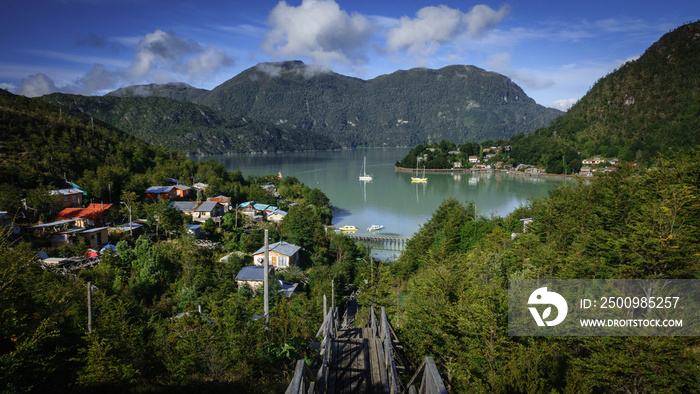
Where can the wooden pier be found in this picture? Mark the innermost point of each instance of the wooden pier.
(388, 241)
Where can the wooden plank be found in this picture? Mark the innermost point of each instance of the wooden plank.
(333, 367)
(375, 377)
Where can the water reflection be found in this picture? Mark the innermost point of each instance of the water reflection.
(390, 199)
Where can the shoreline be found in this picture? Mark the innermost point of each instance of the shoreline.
(467, 170)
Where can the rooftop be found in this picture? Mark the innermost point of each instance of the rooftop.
(252, 273)
(281, 247)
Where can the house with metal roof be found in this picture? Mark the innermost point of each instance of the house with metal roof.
(276, 216)
(187, 207)
(223, 200)
(196, 230)
(206, 210)
(160, 193)
(199, 212)
(96, 236)
(167, 192)
(92, 215)
(253, 276)
(72, 197)
(282, 255)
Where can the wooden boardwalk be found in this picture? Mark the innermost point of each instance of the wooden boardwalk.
(355, 366)
(361, 360)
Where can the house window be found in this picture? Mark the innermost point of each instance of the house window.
(282, 261)
(65, 199)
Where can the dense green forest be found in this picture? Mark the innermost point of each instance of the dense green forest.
(453, 283)
(190, 128)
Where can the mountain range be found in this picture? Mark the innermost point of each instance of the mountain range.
(293, 106)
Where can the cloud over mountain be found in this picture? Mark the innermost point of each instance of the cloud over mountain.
(320, 30)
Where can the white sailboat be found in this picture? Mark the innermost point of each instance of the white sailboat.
(416, 179)
(363, 173)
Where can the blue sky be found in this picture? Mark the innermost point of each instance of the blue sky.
(555, 50)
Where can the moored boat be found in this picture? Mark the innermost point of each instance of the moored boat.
(375, 227)
(421, 179)
(348, 228)
(363, 173)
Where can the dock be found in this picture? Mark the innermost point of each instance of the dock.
(388, 241)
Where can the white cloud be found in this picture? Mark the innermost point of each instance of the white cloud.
(7, 86)
(563, 105)
(164, 57)
(161, 49)
(307, 71)
(433, 26)
(317, 29)
(159, 57)
(98, 80)
(501, 62)
(482, 18)
(37, 85)
(207, 63)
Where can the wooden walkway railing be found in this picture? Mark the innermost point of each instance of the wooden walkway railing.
(364, 360)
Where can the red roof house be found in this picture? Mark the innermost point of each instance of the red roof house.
(93, 215)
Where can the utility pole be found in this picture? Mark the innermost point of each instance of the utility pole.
(131, 230)
(89, 302)
(266, 285)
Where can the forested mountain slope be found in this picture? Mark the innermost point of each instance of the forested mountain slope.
(188, 127)
(402, 108)
(648, 106)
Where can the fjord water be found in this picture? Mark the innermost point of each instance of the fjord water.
(390, 199)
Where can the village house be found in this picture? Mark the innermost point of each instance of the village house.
(207, 210)
(199, 212)
(96, 236)
(196, 230)
(200, 186)
(473, 159)
(253, 276)
(534, 171)
(167, 192)
(499, 164)
(282, 255)
(275, 216)
(186, 207)
(135, 229)
(92, 215)
(69, 197)
(255, 212)
(457, 164)
(586, 171)
(223, 200)
(160, 193)
(593, 161)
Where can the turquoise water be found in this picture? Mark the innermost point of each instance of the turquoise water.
(390, 199)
